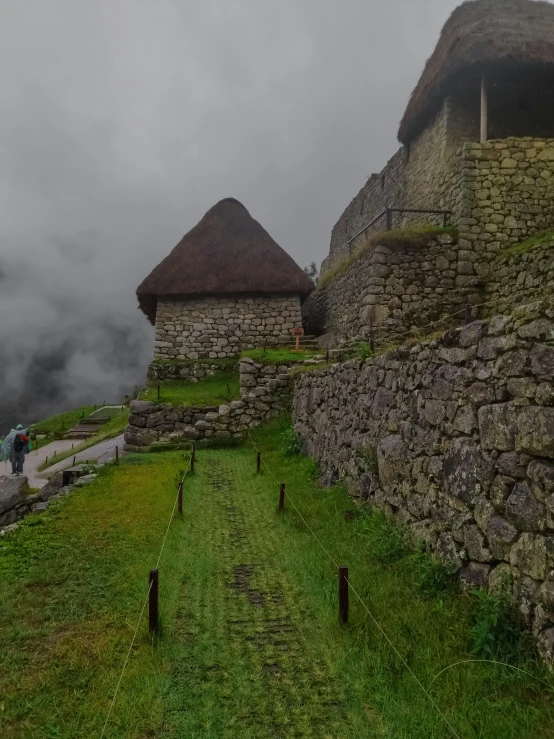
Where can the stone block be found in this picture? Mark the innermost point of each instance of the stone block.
(524, 510)
(535, 431)
(497, 426)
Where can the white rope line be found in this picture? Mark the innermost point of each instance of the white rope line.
(406, 665)
(493, 662)
(143, 607)
(126, 661)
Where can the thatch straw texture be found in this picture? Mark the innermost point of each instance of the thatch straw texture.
(227, 252)
(481, 36)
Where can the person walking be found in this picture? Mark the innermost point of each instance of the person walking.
(16, 445)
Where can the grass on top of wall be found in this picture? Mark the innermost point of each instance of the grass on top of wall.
(221, 387)
(223, 363)
(529, 244)
(396, 239)
(57, 426)
(278, 356)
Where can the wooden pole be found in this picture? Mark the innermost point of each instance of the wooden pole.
(484, 110)
(193, 457)
(343, 594)
(282, 496)
(117, 455)
(180, 504)
(258, 462)
(153, 601)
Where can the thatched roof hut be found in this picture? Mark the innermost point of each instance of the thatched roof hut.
(481, 37)
(227, 252)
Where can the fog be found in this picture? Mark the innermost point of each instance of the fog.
(123, 121)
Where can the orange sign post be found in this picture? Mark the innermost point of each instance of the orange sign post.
(298, 332)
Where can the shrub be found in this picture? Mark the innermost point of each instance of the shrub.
(290, 442)
(495, 634)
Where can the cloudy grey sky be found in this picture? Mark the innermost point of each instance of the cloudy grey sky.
(123, 121)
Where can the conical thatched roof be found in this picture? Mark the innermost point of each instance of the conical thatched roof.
(481, 36)
(227, 252)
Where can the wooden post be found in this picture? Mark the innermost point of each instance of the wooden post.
(258, 462)
(343, 594)
(158, 392)
(282, 496)
(153, 601)
(73, 465)
(484, 110)
(117, 455)
(180, 504)
(445, 219)
(192, 457)
(388, 216)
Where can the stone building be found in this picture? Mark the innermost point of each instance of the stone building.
(478, 146)
(226, 286)
(487, 87)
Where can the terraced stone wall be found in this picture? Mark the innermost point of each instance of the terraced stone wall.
(455, 439)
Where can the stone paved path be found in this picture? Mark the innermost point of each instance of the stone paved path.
(102, 452)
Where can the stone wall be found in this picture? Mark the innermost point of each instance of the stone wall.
(424, 175)
(454, 438)
(400, 285)
(518, 278)
(161, 370)
(219, 327)
(265, 392)
(507, 196)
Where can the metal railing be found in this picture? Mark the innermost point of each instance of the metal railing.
(387, 213)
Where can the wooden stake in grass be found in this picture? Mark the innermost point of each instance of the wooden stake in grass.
(343, 594)
(117, 455)
(180, 498)
(282, 496)
(73, 465)
(192, 457)
(153, 601)
(158, 392)
(258, 462)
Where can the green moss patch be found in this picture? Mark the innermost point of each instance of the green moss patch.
(528, 245)
(278, 356)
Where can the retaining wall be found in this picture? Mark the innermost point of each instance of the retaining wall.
(455, 439)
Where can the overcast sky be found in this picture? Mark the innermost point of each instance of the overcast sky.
(123, 121)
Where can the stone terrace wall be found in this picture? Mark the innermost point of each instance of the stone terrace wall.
(173, 370)
(507, 196)
(519, 278)
(454, 438)
(400, 287)
(219, 327)
(427, 175)
(265, 392)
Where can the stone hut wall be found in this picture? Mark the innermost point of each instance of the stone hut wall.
(454, 438)
(176, 370)
(219, 327)
(399, 287)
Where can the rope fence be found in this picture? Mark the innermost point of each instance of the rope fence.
(153, 587)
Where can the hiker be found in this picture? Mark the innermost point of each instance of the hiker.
(16, 445)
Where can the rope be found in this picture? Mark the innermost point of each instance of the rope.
(493, 662)
(143, 607)
(359, 598)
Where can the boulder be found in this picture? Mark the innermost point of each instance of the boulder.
(11, 492)
(141, 407)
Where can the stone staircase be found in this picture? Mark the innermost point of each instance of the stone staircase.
(89, 426)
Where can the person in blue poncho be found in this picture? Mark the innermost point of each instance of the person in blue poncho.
(15, 446)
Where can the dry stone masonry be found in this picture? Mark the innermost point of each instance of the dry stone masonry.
(161, 370)
(265, 392)
(455, 439)
(219, 327)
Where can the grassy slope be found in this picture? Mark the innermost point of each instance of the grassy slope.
(57, 426)
(73, 583)
(108, 430)
(220, 388)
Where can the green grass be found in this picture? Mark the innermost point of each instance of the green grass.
(249, 653)
(221, 387)
(396, 238)
(108, 430)
(528, 245)
(279, 356)
(57, 426)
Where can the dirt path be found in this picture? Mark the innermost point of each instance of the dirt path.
(246, 669)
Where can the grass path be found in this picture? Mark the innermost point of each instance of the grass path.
(250, 645)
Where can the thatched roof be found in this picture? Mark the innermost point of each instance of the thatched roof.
(481, 36)
(227, 252)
